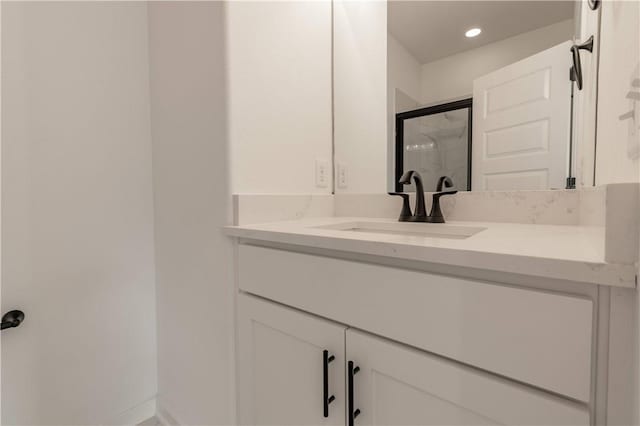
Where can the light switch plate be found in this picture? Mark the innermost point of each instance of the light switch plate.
(342, 176)
(322, 173)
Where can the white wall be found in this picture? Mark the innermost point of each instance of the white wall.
(1, 274)
(404, 73)
(360, 93)
(618, 141)
(452, 77)
(77, 213)
(279, 91)
(192, 203)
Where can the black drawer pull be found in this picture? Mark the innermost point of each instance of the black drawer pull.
(351, 371)
(326, 399)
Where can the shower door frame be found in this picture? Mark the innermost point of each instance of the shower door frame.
(420, 112)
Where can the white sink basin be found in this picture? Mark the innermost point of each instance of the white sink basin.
(430, 230)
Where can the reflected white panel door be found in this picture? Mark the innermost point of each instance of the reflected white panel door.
(397, 385)
(521, 121)
(281, 366)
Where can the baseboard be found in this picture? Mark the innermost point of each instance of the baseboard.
(137, 414)
(165, 418)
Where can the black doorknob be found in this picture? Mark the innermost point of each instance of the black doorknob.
(12, 319)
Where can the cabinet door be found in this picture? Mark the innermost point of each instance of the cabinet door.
(398, 385)
(281, 366)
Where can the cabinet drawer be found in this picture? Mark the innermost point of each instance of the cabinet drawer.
(536, 337)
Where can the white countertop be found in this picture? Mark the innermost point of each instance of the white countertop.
(573, 253)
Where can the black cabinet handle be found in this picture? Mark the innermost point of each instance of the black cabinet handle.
(576, 70)
(326, 399)
(12, 319)
(352, 371)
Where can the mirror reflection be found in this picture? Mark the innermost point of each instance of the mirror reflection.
(485, 101)
(435, 141)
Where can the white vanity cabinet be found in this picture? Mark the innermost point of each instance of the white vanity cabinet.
(282, 367)
(431, 349)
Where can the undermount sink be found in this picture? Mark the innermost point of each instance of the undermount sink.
(430, 230)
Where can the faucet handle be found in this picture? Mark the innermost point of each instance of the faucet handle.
(405, 214)
(436, 215)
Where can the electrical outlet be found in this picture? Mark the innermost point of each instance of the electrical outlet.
(342, 175)
(322, 173)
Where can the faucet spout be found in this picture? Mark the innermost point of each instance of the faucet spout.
(420, 211)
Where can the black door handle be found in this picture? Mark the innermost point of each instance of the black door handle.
(576, 70)
(12, 319)
(353, 413)
(326, 399)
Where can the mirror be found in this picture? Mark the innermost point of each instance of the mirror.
(479, 91)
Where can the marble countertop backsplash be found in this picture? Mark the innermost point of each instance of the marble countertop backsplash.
(559, 207)
(609, 208)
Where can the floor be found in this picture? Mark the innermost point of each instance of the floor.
(153, 421)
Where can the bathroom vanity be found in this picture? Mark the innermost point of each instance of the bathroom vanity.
(521, 308)
(371, 321)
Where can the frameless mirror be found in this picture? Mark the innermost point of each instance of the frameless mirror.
(482, 92)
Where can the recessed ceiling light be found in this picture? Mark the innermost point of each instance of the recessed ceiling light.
(473, 32)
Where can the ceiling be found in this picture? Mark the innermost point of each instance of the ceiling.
(431, 30)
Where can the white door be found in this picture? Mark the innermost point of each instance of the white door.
(77, 214)
(281, 366)
(521, 121)
(397, 385)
